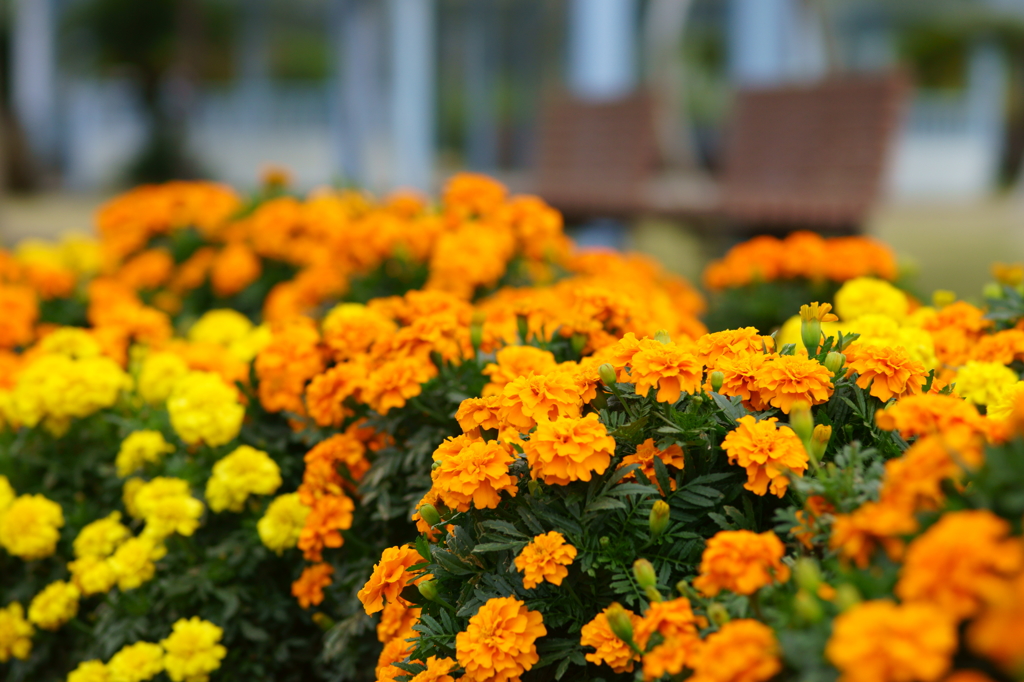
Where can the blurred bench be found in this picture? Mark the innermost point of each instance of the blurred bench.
(798, 157)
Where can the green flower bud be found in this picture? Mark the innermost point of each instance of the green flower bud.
(807, 607)
(847, 597)
(428, 513)
(802, 421)
(652, 594)
(535, 488)
(644, 573)
(428, 588)
(717, 379)
(579, 342)
(607, 374)
(659, 518)
(604, 542)
(834, 362)
(619, 622)
(662, 336)
(807, 575)
(991, 291)
(323, 621)
(717, 614)
(819, 441)
(810, 335)
(476, 331)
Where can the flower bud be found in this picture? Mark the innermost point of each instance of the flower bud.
(819, 440)
(807, 608)
(607, 374)
(716, 379)
(834, 362)
(801, 420)
(652, 594)
(476, 330)
(659, 518)
(428, 513)
(810, 335)
(806, 573)
(847, 597)
(685, 589)
(604, 542)
(943, 297)
(523, 325)
(428, 588)
(619, 622)
(535, 488)
(717, 614)
(323, 621)
(643, 571)
(662, 336)
(579, 342)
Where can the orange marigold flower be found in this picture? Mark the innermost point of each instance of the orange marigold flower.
(148, 270)
(390, 576)
(741, 651)
(529, 400)
(234, 268)
(918, 415)
(472, 195)
(283, 367)
(914, 481)
(956, 561)
(351, 328)
(394, 651)
(477, 473)
(567, 450)
(767, 453)
(321, 476)
(19, 311)
(874, 524)
(326, 394)
(789, 379)
(673, 369)
(328, 516)
(396, 622)
(545, 558)
(437, 670)
(609, 649)
(729, 344)
(1003, 347)
(499, 643)
(396, 381)
(890, 371)
(740, 378)
(309, 588)
(998, 631)
(808, 518)
(675, 622)
(646, 452)
(878, 641)
(513, 362)
(742, 562)
(478, 413)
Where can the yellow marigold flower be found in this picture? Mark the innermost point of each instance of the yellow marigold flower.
(54, 606)
(730, 343)
(437, 671)
(788, 379)
(396, 622)
(645, 454)
(390, 576)
(529, 400)
(168, 507)
(568, 449)
(957, 560)
(766, 452)
(29, 528)
(741, 651)
(92, 575)
(141, 448)
(822, 312)
(192, 651)
(513, 362)
(673, 369)
(499, 644)
(222, 327)
(245, 471)
(998, 631)
(866, 295)
(1001, 408)
(282, 522)
(676, 623)
(73, 342)
(878, 641)
(6, 494)
(545, 558)
(89, 671)
(250, 345)
(982, 383)
(15, 633)
(742, 562)
(608, 648)
(133, 562)
(859, 534)
(889, 371)
(204, 409)
(160, 372)
(136, 663)
(477, 473)
(130, 491)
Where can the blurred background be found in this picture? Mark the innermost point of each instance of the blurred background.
(671, 126)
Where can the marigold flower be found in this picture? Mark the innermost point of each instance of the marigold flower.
(767, 453)
(19, 310)
(865, 295)
(740, 378)
(168, 507)
(567, 450)
(673, 369)
(309, 588)
(982, 383)
(281, 524)
(478, 413)
(437, 670)
(742, 650)
(140, 448)
(204, 409)
(789, 379)
(512, 362)
(1002, 407)
(15, 633)
(292, 358)
(327, 392)
(6, 494)
(92, 575)
(89, 671)
(477, 473)
(395, 651)
(729, 344)
(915, 480)
(389, 577)
(328, 516)
(160, 372)
(499, 643)
(878, 641)
(529, 400)
(545, 558)
(136, 663)
(998, 631)
(30, 527)
(859, 534)
(608, 648)
(393, 383)
(646, 452)
(889, 371)
(245, 471)
(396, 622)
(918, 415)
(133, 562)
(192, 651)
(742, 562)
(55, 605)
(234, 268)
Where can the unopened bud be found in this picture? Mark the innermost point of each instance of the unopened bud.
(801, 420)
(659, 518)
(943, 297)
(428, 588)
(819, 440)
(716, 379)
(579, 342)
(428, 513)
(807, 607)
(323, 621)
(717, 614)
(806, 574)
(619, 623)
(523, 325)
(436, 464)
(476, 331)
(685, 589)
(847, 597)
(607, 374)
(535, 488)
(810, 335)
(643, 571)
(662, 336)
(652, 594)
(834, 362)
(604, 541)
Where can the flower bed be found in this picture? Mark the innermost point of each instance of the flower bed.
(337, 438)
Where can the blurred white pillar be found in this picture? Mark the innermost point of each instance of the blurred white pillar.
(774, 41)
(602, 48)
(482, 65)
(33, 75)
(412, 92)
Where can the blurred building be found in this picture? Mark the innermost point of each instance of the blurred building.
(387, 93)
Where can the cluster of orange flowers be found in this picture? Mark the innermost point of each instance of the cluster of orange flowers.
(800, 255)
